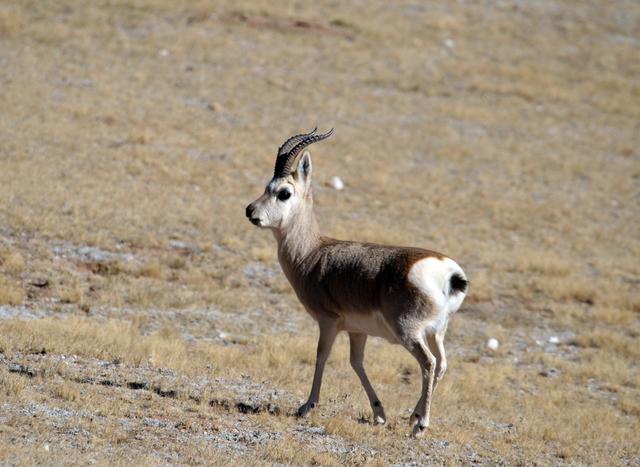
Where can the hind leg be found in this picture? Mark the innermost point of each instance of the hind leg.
(427, 361)
(436, 345)
(357, 343)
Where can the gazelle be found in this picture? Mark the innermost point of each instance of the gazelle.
(405, 295)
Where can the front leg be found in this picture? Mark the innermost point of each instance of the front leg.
(328, 332)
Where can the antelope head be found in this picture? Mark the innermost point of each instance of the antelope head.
(289, 191)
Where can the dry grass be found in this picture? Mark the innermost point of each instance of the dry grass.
(12, 262)
(292, 452)
(11, 385)
(135, 132)
(67, 391)
(113, 340)
(10, 292)
(542, 413)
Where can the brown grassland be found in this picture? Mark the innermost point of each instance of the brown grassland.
(144, 321)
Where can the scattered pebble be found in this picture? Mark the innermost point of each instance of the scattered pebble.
(554, 340)
(215, 107)
(163, 53)
(449, 43)
(549, 372)
(46, 447)
(336, 183)
(493, 344)
(178, 245)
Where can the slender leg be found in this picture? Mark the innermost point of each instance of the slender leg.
(427, 362)
(436, 345)
(357, 343)
(328, 332)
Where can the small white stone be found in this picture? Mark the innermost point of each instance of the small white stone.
(449, 43)
(163, 52)
(554, 340)
(336, 183)
(46, 447)
(493, 344)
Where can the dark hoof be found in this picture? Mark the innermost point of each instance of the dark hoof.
(304, 409)
(419, 429)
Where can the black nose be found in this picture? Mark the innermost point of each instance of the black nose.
(249, 211)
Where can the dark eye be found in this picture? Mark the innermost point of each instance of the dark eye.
(284, 195)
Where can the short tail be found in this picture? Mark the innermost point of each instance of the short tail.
(458, 284)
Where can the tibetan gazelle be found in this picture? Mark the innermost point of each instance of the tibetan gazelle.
(405, 295)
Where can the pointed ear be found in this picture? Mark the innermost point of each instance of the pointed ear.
(304, 168)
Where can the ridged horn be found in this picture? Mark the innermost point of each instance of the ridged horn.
(291, 142)
(288, 152)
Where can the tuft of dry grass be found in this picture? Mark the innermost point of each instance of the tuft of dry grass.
(11, 385)
(543, 263)
(71, 293)
(11, 293)
(619, 344)
(613, 316)
(573, 288)
(12, 262)
(292, 452)
(67, 391)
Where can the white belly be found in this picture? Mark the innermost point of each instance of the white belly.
(372, 324)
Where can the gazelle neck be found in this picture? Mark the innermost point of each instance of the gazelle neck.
(299, 238)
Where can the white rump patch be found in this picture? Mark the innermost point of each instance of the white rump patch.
(433, 277)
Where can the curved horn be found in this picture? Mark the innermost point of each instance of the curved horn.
(291, 142)
(285, 160)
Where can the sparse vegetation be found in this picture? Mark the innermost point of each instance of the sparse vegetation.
(143, 320)
(11, 293)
